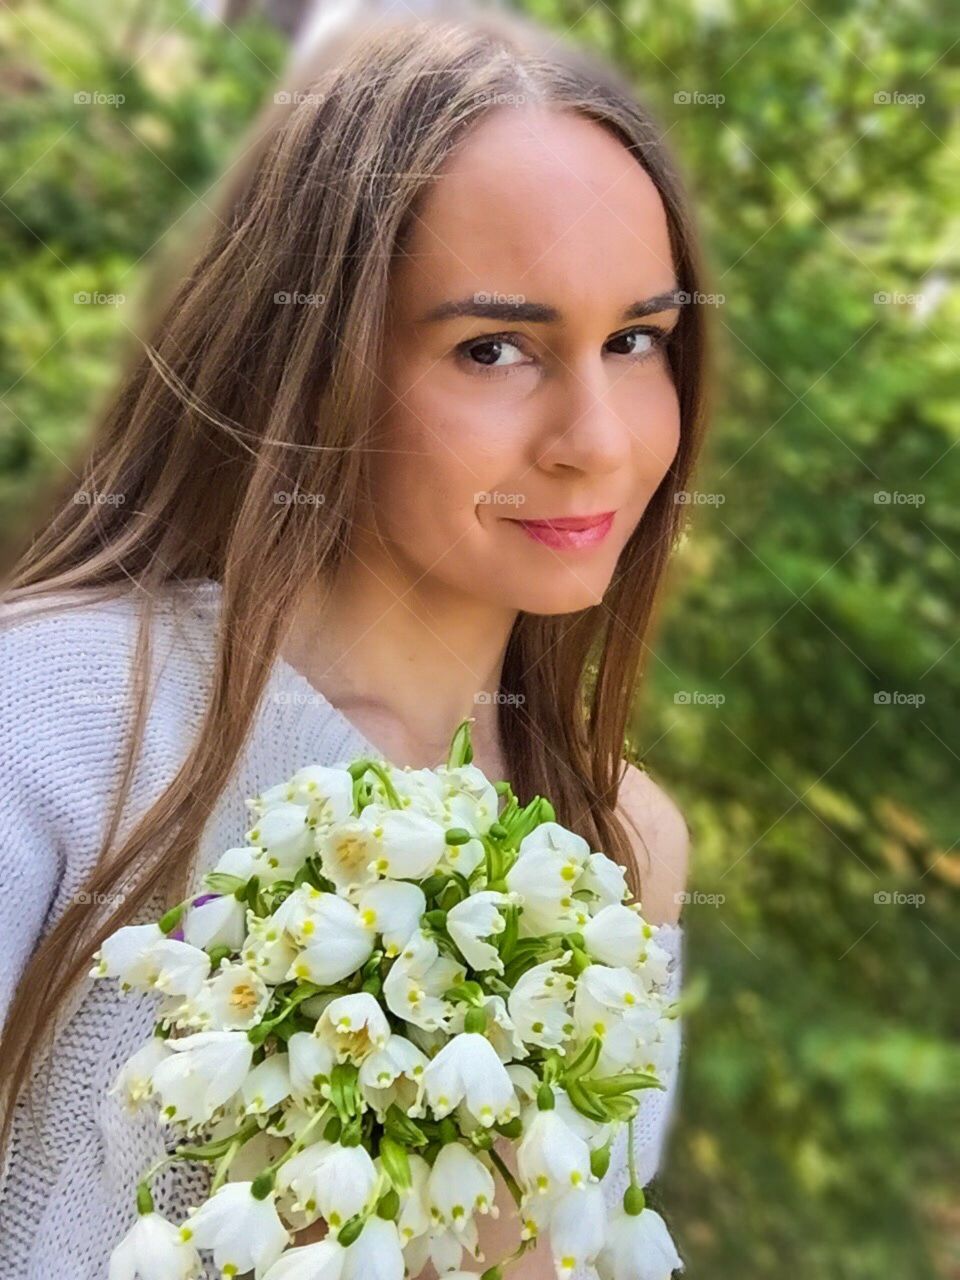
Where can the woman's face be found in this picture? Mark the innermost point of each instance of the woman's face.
(520, 381)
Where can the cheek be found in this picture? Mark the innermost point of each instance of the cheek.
(654, 414)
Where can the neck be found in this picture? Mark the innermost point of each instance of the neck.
(404, 660)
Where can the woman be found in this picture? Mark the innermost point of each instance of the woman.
(403, 445)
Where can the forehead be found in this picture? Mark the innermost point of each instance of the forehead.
(545, 203)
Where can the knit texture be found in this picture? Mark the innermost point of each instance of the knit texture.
(68, 1183)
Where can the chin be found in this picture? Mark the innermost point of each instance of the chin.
(549, 600)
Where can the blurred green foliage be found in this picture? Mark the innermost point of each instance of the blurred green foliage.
(802, 703)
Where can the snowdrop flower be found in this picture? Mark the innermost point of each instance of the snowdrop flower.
(142, 957)
(283, 833)
(296, 1178)
(413, 1220)
(499, 1029)
(267, 1085)
(267, 948)
(525, 1080)
(408, 845)
(308, 1058)
(578, 1222)
(612, 1004)
(244, 1233)
(393, 909)
(414, 987)
(475, 918)
(234, 999)
(337, 1181)
(348, 853)
(334, 939)
(220, 921)
(353, 1027)
(202, 1073)
(153, 1250)
(134, 1082)
(619, 936)
(375, 1254)
(551, 1158)
(392, 1074)
(550, 861)
(467, 1068)
(638, 1247)
(604, 879)
(321, 1261)
(460, 1185)
(326, 791)
(538, 1005)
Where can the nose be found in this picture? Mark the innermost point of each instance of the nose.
(583, 429)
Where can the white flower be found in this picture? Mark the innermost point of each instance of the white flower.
(334, 939)
(619, 936)
(141, 956)
(375, 1254)
(243, 1232)
(460, 1185)
(499, 1028)
(538, 1005)
(613, 1004)
(267, 948)
(203, 1073)
(467, 1068)
(414, 987)
(153, 1250)
(408, 845)
(551, 1158)
(393, 909)
(392, 1074)
(604, 879)
(413, 1220)
(475, 918)
(320, 1261)
(296, 1177)
(308, 1058)
(134, 1082)
(550, 861)
(578, 1221)
(339, 1181)
(348, 853)
(282, 831)
(243, 862)
(219, 922)
(638, 1247)
(326, 791)
(353, 1027)
(267, 1085)
(234, 999)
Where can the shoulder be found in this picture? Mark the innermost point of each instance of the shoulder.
(661, 843)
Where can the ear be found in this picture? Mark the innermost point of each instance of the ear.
(648, 812)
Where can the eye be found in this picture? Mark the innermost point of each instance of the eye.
(641, 342)
(485, 356)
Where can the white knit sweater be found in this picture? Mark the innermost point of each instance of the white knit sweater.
(68, 1183)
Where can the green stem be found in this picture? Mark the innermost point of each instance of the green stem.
(631, 1155)
(507, 1176)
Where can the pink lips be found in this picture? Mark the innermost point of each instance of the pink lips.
(569, 532)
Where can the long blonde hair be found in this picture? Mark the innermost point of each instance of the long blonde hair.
(231, 398)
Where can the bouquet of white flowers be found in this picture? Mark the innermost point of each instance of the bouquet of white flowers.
(393, 975)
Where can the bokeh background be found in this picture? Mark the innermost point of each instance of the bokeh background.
(801, 702)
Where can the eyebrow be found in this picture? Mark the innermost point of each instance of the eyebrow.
(539, 312)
